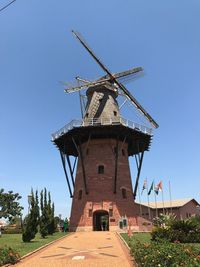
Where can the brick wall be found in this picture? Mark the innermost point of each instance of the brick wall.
(101, 194)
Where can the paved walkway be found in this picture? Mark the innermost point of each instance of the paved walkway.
(92, 249)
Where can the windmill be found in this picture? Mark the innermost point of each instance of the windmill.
(101, 144)
(113, 79)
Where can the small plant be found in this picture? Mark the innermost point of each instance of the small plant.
(8, 255)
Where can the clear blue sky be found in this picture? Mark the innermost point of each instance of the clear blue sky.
(37, 50)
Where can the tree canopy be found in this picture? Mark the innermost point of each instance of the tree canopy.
(9, 205)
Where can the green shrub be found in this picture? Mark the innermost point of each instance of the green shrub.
(8, 230)
(160, 233)
(196, 219)
(165, 254)
(8, 255)
(184, 231)
(184, 225)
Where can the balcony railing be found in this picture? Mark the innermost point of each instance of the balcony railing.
(101, 122)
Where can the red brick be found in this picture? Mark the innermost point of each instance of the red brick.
(101, 186)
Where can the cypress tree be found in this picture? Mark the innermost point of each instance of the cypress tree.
(52, 225)
(44, 214)
(31, 222)
(49, 211)
(37, 209)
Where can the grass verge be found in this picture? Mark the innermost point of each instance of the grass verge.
(15, 241)
(146, 238)
(142, 237)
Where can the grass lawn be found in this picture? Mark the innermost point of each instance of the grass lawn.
(15, 241)
(146, 238)
(142, 237)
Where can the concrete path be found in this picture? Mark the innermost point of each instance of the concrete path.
(92, 249)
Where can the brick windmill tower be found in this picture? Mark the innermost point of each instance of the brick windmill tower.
(101, 144)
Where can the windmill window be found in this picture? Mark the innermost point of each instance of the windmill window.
(80, 193)
(100, 169)
(124, 193)
(115, 113)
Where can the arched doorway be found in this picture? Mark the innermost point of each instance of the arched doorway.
(100, 220)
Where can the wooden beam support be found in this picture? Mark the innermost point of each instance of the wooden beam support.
(83, 168)
(138, 174)
(66, 175)
(70, 169)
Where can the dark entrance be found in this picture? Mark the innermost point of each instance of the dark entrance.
(100, 220)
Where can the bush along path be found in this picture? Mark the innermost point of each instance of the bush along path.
(8, 255)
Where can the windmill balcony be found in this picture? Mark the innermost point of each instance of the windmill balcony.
(100, 122)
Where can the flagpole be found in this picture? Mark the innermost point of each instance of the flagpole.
(163, 200)
(170, 196)
(155, 200)
(163, 203)
(149, 210)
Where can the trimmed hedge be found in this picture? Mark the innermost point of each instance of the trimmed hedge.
(165, 254)
(8, 255)
(11, 230)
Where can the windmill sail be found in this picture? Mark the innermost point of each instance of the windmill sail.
(114, 80)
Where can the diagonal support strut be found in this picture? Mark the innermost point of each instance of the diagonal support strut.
(70, 169)
(139, 166)
(80, 153)
(66, 175)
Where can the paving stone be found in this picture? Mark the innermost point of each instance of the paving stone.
(89, 249)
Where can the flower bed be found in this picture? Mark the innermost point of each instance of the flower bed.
(165, 254)
(8, 255)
